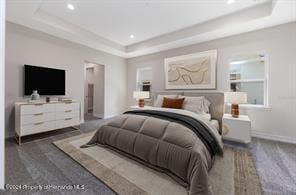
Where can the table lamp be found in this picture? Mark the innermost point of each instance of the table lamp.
(140, 96)
(235, 98)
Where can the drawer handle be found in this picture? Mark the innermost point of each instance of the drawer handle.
(68, 102)
(38, 104)
(68, 119)
(38, 114)
(68, 111)
(39, 123)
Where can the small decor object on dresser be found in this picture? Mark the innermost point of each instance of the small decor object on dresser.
(239, 129)
(35, 95)
(193, 71)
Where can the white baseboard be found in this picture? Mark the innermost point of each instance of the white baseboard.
(274, 137)
(98, 115)
(109, 116)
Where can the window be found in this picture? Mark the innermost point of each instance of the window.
(144, 78)
(248, 74)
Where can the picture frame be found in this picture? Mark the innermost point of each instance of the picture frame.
(192, 71)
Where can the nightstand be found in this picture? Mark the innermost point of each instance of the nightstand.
(239, 129)
(138, 108)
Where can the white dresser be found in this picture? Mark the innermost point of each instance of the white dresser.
(33, 118)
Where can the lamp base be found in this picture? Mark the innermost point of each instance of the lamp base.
(235, 110)
(141, 103)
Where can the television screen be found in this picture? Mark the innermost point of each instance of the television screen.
(46, 81)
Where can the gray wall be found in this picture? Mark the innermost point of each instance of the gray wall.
(27, 46)
(278, 42)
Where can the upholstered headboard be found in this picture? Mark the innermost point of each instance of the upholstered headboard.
(216, 99)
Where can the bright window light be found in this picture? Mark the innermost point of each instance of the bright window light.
(70, 6)
(238, 62)
(230, 1)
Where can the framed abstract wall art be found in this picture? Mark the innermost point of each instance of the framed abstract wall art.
(193, 71)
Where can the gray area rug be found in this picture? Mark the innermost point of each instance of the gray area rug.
(235, 173)
(276, 166)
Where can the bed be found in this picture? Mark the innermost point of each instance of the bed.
(180, 143)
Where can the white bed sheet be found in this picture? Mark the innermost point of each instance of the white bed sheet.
(215, 123)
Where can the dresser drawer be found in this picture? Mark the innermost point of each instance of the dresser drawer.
(37, 109)
(68, 122)
(37, 128)
(37, 118)
(67, 107)
(67, 114)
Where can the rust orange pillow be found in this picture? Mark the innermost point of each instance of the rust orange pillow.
(176, 103)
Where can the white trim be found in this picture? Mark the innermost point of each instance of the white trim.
(138, 70)
(109, 116)
(252, 106)
(247, 80)
(2, 96)
(86, 63)
(98, 115)
(265, 80)
(268, 136)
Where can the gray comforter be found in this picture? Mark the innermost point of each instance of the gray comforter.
(179, 145)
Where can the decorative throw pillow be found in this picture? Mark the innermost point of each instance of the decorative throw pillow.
(176, 103)
(159, 100)
(198, 105)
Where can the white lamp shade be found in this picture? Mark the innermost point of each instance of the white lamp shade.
(235, 97)
(140, 94)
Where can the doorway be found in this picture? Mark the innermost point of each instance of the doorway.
(94, 91)
(90, 97)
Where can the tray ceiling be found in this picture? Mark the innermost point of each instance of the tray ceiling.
(155, 24)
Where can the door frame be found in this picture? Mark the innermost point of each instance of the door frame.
(85, 93)
(88, 107)
(99, 64)
(2, 94)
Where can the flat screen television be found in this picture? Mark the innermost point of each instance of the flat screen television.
(47, 81)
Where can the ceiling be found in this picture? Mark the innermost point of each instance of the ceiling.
(117, 20)
(156, 24)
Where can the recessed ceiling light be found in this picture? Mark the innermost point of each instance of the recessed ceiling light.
(132, 36)
(70, 6)
(230, 1)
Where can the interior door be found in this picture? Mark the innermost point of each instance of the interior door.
(90, 98)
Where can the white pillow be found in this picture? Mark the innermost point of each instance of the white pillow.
(198, 105)
(159, 100)
(207, 104)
